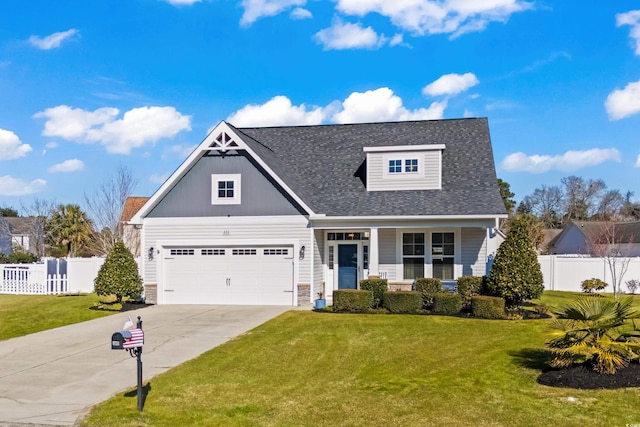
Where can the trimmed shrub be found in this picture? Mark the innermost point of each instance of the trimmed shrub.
(486, 307)
(403, 301)
(469, 286)
(428, 287)
(352, 300)
(119, 275)
(593, 285)
(446, 303)
(377, 286)
(515, 274)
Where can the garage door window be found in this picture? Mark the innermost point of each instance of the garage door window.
(183, 252)
(244, 252)
(208, 252)
(276, 252)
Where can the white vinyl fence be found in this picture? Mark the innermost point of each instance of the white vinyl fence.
(72, 275)
(565, 273)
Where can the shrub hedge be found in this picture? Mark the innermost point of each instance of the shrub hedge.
(352, 300)
(403, 301)
(469, 286)
(428, 287)
(377, 286)
(486, 307)
(447, 303)
(593, 285)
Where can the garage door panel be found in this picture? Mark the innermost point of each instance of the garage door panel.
(234, 275)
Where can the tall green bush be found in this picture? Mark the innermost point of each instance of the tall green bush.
(428, 287)
(515, 274)
(377, 286)
(119, 275)
(469, 286)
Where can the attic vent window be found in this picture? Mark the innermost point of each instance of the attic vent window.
(410, 166)
(223, 142)
(225, 189)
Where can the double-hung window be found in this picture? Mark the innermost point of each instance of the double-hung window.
(442, 255)
(412, 255)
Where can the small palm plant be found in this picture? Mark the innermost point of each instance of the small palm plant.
(595, 331)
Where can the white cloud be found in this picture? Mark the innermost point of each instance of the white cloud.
(345, 35)
(10, 186)
(300, 13)
(158, 179)
(637, 165)
(51, 144)
(52, 41)
(631, 18)
(569, 161)
(455, 17)
(396, 40)
(256, 9)
(383, 105)
(71, 165)
(180, 151)
(625, 102)
(278, 111)
(11, 147)
(137, 127)
(450, 84)
(182, 2)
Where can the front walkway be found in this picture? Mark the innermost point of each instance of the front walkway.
(54, 377)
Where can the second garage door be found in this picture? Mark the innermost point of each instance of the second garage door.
(228, 275)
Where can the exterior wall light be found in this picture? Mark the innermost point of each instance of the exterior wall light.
(301, 252)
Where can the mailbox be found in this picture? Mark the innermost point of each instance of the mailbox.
(124, 340)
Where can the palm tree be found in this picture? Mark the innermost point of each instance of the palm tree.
(70, 227)
(594, 331)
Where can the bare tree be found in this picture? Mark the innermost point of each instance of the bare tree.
(611, 241)
(546, 203)
(581, 196)
(610, 205)
(38, 214)
(105, 206)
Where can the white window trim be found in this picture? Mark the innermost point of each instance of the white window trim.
(428, 270)
(236, 199)
(403, 157)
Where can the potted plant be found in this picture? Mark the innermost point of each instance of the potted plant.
(320, 302)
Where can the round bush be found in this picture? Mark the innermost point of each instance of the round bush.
(593, 285)
(428, 287)
(403, 301)
(377, 286)
(446, 303)
(469, 286)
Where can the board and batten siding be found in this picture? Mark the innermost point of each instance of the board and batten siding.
(234, 231)
(428, 177)
(473, 251)
(192, 194)
(387, 252)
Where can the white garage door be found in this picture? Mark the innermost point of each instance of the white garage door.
(228, 275)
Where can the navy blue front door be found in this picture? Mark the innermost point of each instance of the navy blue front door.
(347, 266)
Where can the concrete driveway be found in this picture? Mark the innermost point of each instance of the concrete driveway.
(54, 377)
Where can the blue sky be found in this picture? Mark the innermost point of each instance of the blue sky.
(86, 87)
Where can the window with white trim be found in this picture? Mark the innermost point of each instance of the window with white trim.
(442, 255)
(225, 189)
(411, 165)
(412, 255)
(395, 166)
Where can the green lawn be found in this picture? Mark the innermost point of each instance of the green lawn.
(306, 368)
(25, 314)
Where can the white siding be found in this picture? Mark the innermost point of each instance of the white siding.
(473, 252)
(428, 177)
(387, 251)
(227, 231)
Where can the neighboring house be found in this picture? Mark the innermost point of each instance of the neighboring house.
(276, 215)
(21, 234)
(131, 232)
(549, 236)
(593, 237)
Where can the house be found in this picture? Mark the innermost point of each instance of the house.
(276, 215)
(594, 237)
(131, 232)
(20, 234)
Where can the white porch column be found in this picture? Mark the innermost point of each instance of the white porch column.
(374, 267)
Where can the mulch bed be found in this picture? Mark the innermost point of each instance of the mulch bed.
(126, 306)
(583, 377)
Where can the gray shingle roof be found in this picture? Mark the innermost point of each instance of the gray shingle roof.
(319, 163)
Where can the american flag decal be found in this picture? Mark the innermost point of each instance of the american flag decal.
(133, 338)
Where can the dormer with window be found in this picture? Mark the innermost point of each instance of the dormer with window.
(409, 167)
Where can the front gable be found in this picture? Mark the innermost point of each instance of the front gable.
(191, 190)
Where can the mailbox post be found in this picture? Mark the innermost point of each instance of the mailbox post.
(132, 340)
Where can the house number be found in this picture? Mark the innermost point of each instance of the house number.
(226, 233)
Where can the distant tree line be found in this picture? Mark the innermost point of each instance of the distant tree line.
(575, 198)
